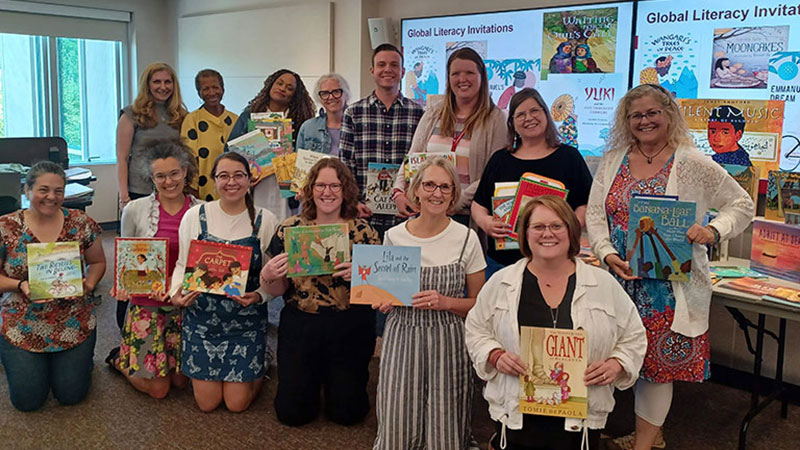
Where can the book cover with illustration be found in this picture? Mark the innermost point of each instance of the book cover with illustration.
(55, 270)
(414, 160)
(532, 185)
(217, 268)
(556, 360)
(316, 249)
(763, 288)
(378, 192)
(384, 274)
(302, 165)
(657, 246)
(740, 132)
(140, 265)
(784, 84)
(783, 195)
(258, 151)
(776, 250)
(740, 58)
(747, 177)
(276, 128)
(669, 59)
(579, 41)
(284, 172)
(501, 210)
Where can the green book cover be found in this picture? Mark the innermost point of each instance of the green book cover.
(55, 270)
(316, 249)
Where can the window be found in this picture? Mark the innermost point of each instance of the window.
(62, 86)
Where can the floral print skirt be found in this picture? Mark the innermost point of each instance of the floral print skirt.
(151, 341)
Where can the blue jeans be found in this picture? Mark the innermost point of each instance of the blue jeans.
(31, 375)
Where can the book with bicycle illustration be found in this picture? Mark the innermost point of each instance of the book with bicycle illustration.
(384, 274)
(140, 265)
(217, 268)
(55, 270)
(316, 249)
(556, 359)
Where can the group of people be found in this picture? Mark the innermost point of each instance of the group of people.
(467, 315)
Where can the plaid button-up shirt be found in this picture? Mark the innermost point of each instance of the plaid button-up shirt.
(373, 133)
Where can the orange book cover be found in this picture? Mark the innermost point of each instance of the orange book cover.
(532, 185)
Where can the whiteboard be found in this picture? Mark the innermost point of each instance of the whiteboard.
(247, 46)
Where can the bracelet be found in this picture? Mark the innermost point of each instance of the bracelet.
(495, 355)
(19, 285)
(715, 232)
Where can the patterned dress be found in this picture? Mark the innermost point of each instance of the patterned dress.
(670, 356)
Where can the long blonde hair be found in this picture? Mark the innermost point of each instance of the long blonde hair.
(480, 116)
(621, 138)
(144, 112)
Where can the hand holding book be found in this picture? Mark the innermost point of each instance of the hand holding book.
(511, 364)
(249, 298)
(344, 270)
(620, 267)
(697, 234)
(184, 300)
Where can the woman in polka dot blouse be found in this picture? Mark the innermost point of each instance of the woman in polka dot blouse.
(206, 130)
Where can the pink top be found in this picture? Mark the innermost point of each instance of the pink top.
(167, 228)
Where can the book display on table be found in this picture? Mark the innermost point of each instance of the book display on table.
(553, 384)
(140, 265)
(783, 195)
(384, 274)
(532, 185)
(775, 250)
(217, 268)
(378, 192)
(764, 289)
(303, 164)
(55, 270)
(316, 249)
(657, 246)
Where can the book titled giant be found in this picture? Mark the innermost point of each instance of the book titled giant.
(384, 274)
(217, 268)
(316, 249)
(776, 250)
(657, 246)
(140, 265)
(55, 270)
(556, 361)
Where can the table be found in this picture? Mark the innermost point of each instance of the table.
(737, 301)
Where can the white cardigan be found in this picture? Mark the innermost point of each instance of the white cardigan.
(140, 216)
(599, 305)
(694, 178)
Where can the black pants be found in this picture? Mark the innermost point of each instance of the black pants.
(543, 433)
(327, 352)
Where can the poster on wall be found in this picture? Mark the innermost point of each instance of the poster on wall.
(670, 59)
(784, 84)
(740, 56)
(579, 41)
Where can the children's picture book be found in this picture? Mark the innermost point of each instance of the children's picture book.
(140, 265)
(556, 360)
(284, 172)
(763, 288)
(734, 272)
(276, 128)
(303, 164)
(217, 268)
(55, 270)
(776, 250)
(740, 58)
(378, 192)
(657, 246)
(505, 188)
(414, 160)
(384, 274)
(501, 210)
(258, 151)
(532, 185)
(784, 84)
(783, 195)
(747, 177)
(316, 249)
(579, 41)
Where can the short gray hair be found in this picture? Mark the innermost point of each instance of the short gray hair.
(331, 76)
(437, 161)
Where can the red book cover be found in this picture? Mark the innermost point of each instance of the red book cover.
(532, 185)
(217, 268)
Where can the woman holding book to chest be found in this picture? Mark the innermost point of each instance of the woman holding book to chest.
(550, 288)
(536, 148)
(651, 152)
(47, 344)
(425, 385)
(149, 355)
(324, 343)
(224, 337)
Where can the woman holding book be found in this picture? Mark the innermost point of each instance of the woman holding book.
(321, 134)
(285, 93)
(223, 337)
(651, 152)
(466, 123)
(149, 355)
(324, 343)
(550, 288)
(47, 344)
(205, 130)
(535, 148)
(428, 403)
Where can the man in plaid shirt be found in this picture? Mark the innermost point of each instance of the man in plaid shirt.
(379, 128)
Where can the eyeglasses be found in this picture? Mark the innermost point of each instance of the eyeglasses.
(334, 187)
(533, 112)
(430, 186)
(652, 114)
(336, 93)
(539, 228)
(224, 177)
(175, 175)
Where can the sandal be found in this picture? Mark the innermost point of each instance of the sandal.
(113, 359)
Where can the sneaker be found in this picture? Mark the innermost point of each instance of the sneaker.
(626, 442)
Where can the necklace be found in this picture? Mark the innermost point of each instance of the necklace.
(554, 317)
(650, 158)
